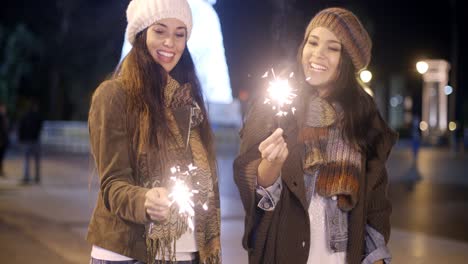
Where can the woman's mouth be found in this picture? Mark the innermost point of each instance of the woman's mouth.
(318, 67)
(165, 56)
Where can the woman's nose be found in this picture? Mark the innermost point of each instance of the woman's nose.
(319, 51)
(169, 42)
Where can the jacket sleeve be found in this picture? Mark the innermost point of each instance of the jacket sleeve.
(378, 204)
(110, 148)
(270, 196)
(258, 126)
(376, 249)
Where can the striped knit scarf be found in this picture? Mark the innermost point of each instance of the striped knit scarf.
(338, 164)
(161, 237)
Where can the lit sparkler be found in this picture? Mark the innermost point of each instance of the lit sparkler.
(280, 94)
(181, 194)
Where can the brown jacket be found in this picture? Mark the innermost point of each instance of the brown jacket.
(283, 235)
(122, 162)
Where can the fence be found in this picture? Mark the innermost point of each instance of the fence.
(66, 136)
(73, 136)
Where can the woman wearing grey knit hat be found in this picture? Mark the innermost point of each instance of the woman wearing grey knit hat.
(147, 122)
(314, 191)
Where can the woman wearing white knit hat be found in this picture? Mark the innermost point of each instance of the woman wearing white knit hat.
(148, 118)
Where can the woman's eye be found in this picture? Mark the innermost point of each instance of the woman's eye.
(313, 43)
(180, 35)
(334, 49)
(159, 31)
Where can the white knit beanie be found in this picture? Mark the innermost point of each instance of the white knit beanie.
(143, 13)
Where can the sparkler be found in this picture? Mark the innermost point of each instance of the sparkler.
(280, 94)
(181, 194)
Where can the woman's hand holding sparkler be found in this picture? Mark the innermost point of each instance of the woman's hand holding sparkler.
(157, 204)
(274, 152)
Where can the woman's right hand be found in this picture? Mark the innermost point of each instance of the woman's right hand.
(274, 149)
(157, 204)
(274, 152)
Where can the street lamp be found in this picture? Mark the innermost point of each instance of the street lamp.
(366, 76)
(448, 90)
(452, 126)
(435, 94)
(422, 67)
(423, 126)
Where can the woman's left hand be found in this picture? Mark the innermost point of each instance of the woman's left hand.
(157, 204)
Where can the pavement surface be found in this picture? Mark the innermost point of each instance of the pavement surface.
(47, 223)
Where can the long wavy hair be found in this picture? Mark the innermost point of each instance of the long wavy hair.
(145, 80)
(358, 106)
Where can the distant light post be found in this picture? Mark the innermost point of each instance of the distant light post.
(448, 90)
(452, 126)
(423, 126)
(435, 94)
(422, 67)
(366, 76)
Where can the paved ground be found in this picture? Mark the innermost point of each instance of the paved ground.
(47, 223)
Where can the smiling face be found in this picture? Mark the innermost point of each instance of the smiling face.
(320, 58)
(166, 41)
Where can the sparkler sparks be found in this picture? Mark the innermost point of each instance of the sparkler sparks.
(280, 94)
(182, 195)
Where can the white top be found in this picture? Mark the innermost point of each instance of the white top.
(185, 247)
(319, 252)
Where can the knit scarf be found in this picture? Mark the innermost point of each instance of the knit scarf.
(336, 162)
(161, 237)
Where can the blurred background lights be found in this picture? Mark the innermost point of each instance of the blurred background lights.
(448, 90)
(366, 76)
(422, 67)
(423, 126)
(452, 126)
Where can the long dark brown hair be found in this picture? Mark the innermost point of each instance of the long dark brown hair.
(145, 80)
(358, 106)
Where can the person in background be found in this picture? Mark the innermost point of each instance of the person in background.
(29, 134)
(4, 137)
(415, 137)
(315, 190)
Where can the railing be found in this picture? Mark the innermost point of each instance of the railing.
(67, 136)
(73, 136)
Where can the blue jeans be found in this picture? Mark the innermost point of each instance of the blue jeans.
(32, 149)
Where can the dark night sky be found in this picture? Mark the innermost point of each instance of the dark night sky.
(402, 31)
